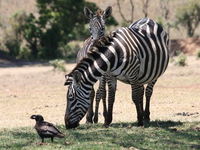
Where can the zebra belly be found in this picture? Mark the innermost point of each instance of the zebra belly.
(124, 79)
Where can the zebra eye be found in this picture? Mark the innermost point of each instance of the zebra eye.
(70, 95)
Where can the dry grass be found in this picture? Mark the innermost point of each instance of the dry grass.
(29, 90)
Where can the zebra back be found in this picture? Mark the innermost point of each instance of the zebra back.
(153, 48)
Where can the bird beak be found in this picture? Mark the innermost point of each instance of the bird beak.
(32, 117)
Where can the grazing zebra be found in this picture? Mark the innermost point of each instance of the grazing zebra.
(135, 55)
(97, 30)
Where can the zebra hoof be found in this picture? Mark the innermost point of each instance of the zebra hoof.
(89, 122)
(146, 120)
(140, 124)
(95, 120)
(105, 125)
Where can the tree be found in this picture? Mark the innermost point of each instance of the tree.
(164, 5)
(59, 22)
(13, 35)
(145, 4)
(55, 25)
(188, 16)
(132, 12)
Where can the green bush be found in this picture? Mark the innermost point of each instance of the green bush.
(187, 16)
(24, 53)
(198, 54)
(13, 47)
(70, 50)
(180, 60)
(58, 65)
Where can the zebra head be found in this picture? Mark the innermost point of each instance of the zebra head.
(97, 21)
(77, 100)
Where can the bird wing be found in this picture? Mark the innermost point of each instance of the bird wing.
(48, 128)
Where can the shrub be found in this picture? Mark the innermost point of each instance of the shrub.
(198, 54)
(180, 60)
(58, 65)
(13, 47)
(24, 53)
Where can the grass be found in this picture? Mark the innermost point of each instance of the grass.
(156, 135)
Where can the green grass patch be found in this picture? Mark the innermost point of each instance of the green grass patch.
(155, 135)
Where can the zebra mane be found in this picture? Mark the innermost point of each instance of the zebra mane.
(97, 45)
(99, 12)
(103, 41)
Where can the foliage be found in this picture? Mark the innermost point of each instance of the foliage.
(180, 59)
(13, 47)
(58, 23)
(24, 53)
(156, 135)
(70, 50)
(160, 21)
(188, 16)
(13, 36)
(58, 65)
(44, 34)
(198, 54)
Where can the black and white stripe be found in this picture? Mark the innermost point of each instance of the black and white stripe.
(136, 55)
(97, 30)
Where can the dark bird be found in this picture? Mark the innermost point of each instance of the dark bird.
(46, 129)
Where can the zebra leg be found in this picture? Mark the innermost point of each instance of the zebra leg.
(98, 98)
(148, 93)
(105, 112)
(90, 112)
(111, 98)
(137, 97)
(101, 94)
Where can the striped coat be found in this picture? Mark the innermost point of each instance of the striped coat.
(136, 55)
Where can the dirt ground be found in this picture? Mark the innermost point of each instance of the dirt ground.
(29, 88)
(189, 46)
(36, 89)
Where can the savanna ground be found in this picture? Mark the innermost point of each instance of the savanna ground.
(37, 89)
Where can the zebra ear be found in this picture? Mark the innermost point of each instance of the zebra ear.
(88, 13)
(107, 12)
(76, 77)
(69, 79)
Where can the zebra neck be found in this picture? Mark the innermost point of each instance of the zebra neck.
(92, 68)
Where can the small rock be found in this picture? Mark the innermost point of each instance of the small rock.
(67, 143)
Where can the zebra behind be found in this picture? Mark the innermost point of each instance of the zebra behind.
(136, 55)
(97, 30)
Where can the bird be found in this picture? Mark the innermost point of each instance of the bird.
(46, 129)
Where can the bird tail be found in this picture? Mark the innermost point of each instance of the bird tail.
(60, 135)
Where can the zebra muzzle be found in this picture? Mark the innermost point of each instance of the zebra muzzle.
(68, 124)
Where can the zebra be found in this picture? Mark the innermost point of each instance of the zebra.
(97, 30)
(136, 55)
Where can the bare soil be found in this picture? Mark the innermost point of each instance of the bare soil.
(29, 88)
(36, 89)
(189, 46)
